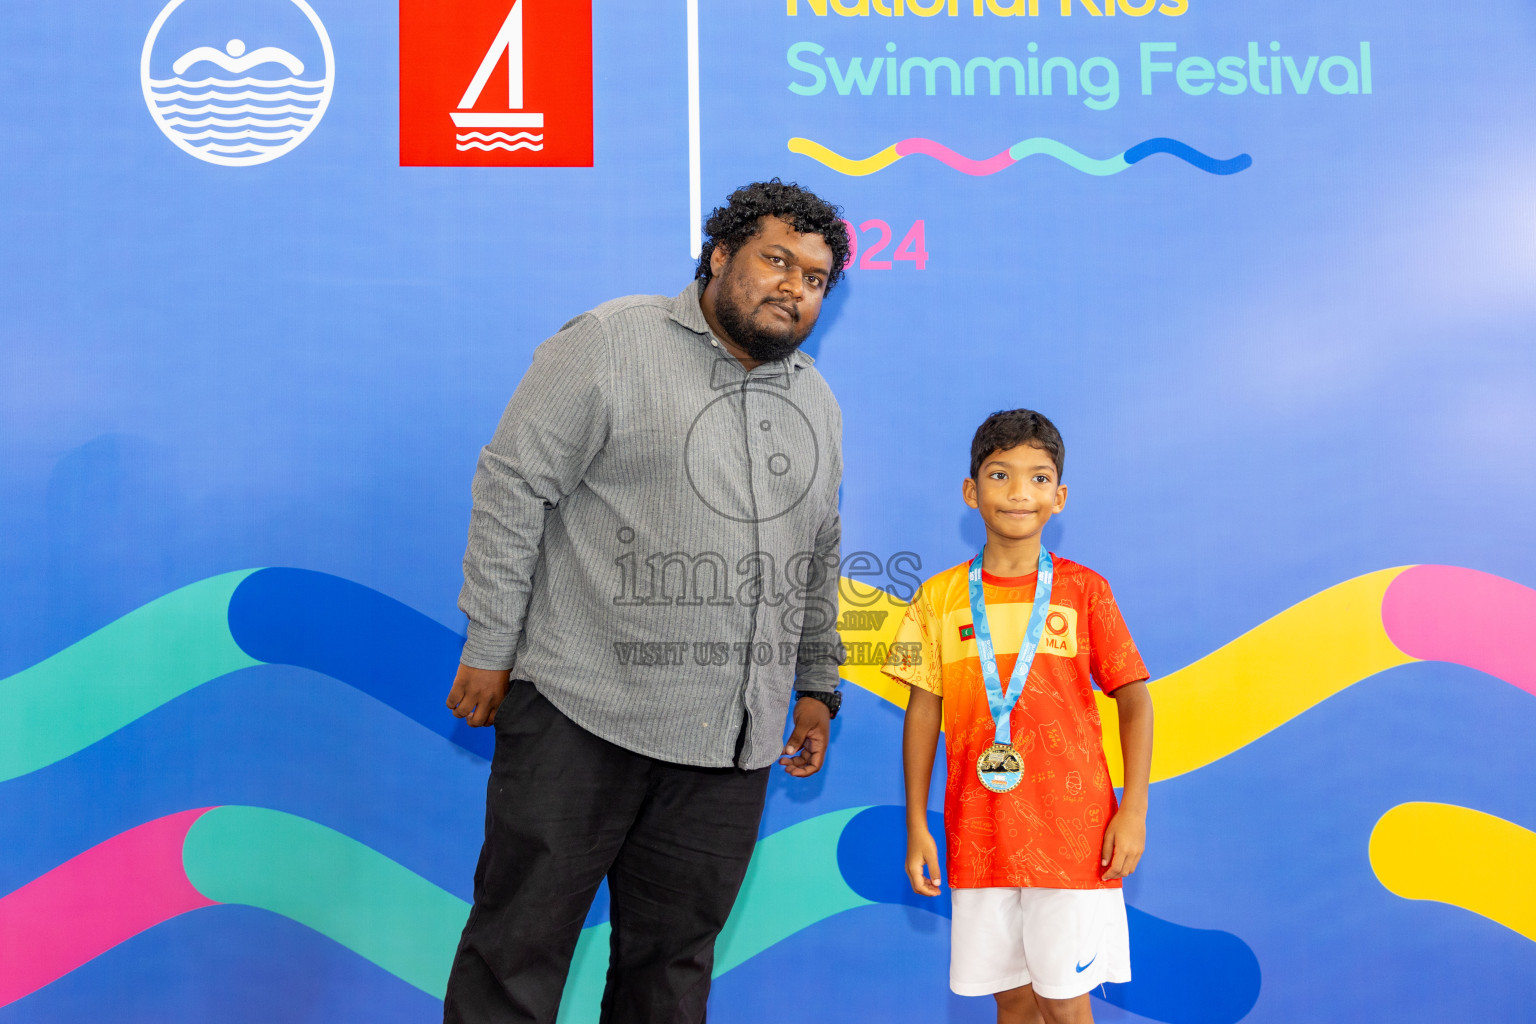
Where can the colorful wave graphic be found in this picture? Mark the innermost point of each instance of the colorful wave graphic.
(1295, 660)
(219, 625)
(1017, 152)
(251, 856)
(392, 917)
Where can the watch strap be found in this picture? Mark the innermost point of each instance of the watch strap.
(833, 699)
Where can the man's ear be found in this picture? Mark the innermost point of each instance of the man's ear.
(719, 259)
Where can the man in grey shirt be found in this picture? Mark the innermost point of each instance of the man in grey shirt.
(651, 570)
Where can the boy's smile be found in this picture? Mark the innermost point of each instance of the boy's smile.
(1017, 491)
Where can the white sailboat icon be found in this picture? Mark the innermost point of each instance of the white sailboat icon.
(509, 40)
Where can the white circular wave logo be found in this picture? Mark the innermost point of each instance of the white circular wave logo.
(237, 103)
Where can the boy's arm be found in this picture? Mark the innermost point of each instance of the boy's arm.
(919, 742)
(1126, 836)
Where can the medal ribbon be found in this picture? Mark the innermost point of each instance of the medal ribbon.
(1002, 708)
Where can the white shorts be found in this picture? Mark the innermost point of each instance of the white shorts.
(1064, 942)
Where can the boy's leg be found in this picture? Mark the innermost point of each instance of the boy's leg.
(1074, 940)
(986, 943)
(1018, 1006)
(1022, 1006)
(558, 804)
(1077, 1010)
(672, 887)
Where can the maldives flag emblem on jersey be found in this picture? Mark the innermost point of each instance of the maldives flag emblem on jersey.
(495, 83)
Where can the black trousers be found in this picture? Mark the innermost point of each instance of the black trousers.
(562, 810)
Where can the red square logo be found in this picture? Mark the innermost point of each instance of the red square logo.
(495, 83)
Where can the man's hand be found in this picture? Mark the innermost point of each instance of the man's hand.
(808, 743)
(922, 853)
(477, 693)
(1124, 840)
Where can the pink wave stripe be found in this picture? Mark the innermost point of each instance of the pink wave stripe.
(92, 902)
(945, 155)
(1443, 613)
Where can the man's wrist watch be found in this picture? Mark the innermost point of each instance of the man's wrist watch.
(833, 699)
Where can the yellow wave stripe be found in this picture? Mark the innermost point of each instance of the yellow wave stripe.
(867, 622)
(1227, 699)
(1455, 855)
(869, 165)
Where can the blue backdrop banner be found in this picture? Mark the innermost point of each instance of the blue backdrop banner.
(270, 270)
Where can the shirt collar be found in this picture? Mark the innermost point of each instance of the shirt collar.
(685, 309)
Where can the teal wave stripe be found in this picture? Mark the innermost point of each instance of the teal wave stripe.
(341, 888)
(582, 1000)
(1067, 155)
(121, 672)
(391, 916)
(794, 881)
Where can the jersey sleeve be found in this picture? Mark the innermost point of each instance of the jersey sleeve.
(1113, 658)
(914, 654)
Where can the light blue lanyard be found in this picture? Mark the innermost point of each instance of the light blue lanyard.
(1002, 707)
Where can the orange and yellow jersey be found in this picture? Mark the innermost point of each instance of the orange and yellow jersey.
(1048, 832)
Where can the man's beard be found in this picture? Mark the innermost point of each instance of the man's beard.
(763, 344)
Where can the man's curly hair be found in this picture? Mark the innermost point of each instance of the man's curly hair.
(735, 222)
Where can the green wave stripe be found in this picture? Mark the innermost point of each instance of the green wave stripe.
(121, 672)
(582, 1000)
(793, 882)
(343, 889)
(1067, 155)
(391, 916)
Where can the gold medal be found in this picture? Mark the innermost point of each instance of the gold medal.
(1000, 768)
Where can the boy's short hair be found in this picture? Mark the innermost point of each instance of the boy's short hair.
(1013, 427)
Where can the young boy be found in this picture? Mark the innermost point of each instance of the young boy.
(1037, 846)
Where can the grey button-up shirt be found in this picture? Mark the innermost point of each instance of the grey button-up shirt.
(655, 533)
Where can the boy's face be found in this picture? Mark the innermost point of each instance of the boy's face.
(1016, 490)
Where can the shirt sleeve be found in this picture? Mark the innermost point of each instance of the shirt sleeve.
(914, 655)
(555, 424)
(820, 651)
(1113, 659)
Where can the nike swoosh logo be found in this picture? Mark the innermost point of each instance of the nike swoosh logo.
(1083, 967)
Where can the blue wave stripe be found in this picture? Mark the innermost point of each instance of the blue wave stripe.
(1182, 975)
(350, 632)
(1189, 154)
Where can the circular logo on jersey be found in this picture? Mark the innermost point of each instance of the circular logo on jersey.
(1056, 623)
(1000, 768)
(774, 438)
(237, 84)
